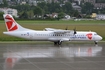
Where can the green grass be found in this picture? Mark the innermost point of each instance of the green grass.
(97, 26)
(59, 22)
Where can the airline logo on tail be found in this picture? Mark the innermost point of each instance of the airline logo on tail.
(11, 24)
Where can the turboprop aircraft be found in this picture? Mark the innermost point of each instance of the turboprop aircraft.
(49, 34)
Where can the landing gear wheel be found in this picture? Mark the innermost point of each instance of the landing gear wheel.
(95, 42)
(58, 43)
(55, 43)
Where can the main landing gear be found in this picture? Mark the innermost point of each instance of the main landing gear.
(58, 43)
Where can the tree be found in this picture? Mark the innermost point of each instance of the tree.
(22, 8)
(1, 15)
(71, 1)
(61, 15)
(102, 11)
(67, 8)
(61, 1)
(37, 11)
(87, 8)
(53, 7)
(24, 15)
(100, 1)
(5, 3)
(43, 6)
(30, 14)
(76, 14)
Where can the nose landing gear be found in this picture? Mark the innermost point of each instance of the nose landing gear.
(96, 42)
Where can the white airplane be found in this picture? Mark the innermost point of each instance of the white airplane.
(49, 34)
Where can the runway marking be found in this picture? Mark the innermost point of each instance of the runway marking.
(91, 61)
(62, 62)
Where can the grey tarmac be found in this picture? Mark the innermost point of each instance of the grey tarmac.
(30, 56)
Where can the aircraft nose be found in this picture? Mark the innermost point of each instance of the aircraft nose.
(100, 38)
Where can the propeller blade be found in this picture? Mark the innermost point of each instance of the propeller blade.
(75, 30)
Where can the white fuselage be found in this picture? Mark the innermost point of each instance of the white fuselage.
(51, 36)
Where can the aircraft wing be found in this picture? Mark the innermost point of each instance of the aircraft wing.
(59, 31)
(51, 29)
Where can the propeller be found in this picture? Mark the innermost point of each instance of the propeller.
(75, 30)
